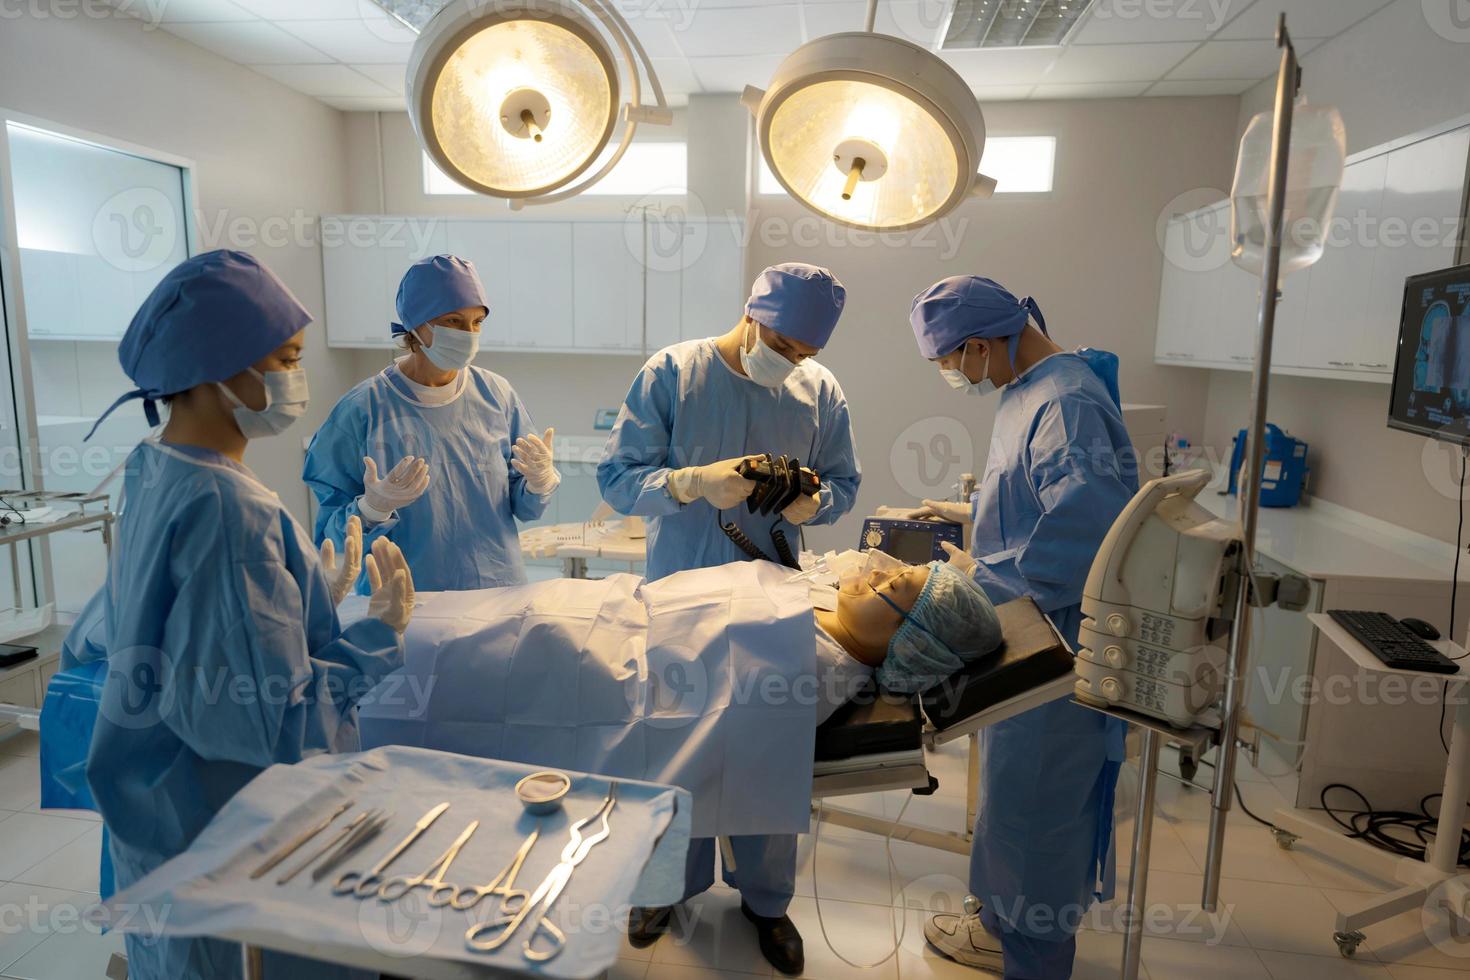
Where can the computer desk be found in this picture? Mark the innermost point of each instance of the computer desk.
(1436, 880)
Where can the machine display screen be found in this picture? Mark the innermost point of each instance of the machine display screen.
(914, 547)
(1431, 380)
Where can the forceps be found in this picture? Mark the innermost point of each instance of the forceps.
(395, 888)
(364, 883)
(503, 884)
(545, 895)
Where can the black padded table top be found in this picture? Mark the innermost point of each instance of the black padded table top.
(876, 722)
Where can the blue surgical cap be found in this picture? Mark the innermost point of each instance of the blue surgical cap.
(952, 624)
(210, 318)
(435, 286)
(960, 308)
(798, 301)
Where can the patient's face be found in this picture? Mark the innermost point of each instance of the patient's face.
(866, 615)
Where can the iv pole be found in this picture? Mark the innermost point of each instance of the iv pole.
(1288, 82)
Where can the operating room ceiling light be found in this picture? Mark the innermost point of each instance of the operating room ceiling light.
(871, 131)
(516, 99)
(1013, 23)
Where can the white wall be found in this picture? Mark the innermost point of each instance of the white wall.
(1390, 76)
(262, 152)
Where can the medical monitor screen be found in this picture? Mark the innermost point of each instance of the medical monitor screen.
(1431, 376)
(914, 547)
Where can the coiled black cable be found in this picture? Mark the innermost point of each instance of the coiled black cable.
(783, 548)
(1373, 826)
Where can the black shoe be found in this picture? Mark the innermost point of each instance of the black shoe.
(780, 942)
(646, 925)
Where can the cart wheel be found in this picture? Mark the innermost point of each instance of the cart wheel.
(1284, 838)
(1188, 766)
(1347, 942)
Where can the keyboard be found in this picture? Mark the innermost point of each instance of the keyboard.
(1393, 642)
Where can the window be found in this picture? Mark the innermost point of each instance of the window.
(1020, 165)
(97, 229)
(647, 168)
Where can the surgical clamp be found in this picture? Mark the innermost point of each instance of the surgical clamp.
(363, 884)
(503, 884)
(395, 888)
(546, 894)
(343, 833)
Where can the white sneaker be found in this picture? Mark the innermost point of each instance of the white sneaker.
(963, 939)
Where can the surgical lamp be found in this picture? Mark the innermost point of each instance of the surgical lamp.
(871, 131)
(517, 99)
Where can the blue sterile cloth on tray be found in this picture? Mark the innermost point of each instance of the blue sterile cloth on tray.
(207, 890)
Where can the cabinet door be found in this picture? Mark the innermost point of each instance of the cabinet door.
(49, 280)
(1197, 246)
(607, 288)
(539, 273)
(356, 285)
(1175, 298)
(1240, 314)
(105, 292)
(713, 291)
(664, 237)
(1341, 291)
(487, 245)
(1423, 207)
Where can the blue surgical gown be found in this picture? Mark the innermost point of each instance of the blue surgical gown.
(687, 407)
(225, 656)
(461, 534)
(1061, 468)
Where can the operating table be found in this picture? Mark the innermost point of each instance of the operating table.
(877, 740)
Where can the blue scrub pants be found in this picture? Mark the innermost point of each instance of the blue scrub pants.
(1027, 958)
(765, 871)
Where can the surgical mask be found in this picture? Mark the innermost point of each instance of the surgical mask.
(286, 399)
(959, 381)
(453, 349)
(764, 365)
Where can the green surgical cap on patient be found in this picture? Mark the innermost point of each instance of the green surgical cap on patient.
(952, 624)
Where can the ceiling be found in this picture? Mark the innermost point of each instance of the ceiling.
(351, 54)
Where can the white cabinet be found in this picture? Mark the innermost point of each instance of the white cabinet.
(619, 286)
(1397, 215)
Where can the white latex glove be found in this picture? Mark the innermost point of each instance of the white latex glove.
(341, 575)
(802, 509)
(404, 484)
(719, 483)
(946, 510)
(391, 583)
(531, 457)
(961, 561)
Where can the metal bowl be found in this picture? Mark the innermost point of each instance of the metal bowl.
(542, 792)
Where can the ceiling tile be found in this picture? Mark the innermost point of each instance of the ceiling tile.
(1304, 18)
(676, 77)
(312, 9)
(733, 74)
(1001, 66)
(723, 32)
(325, 80)
(1003, 93)
(364, 42)
(920, 21)
(659, 37)
(1102, 90)
(1116, 63)
(1236, 59)
(1203, 86)
(251, 43)
(357, 104)
(188, 11)
(390, 77)
(1137, 21)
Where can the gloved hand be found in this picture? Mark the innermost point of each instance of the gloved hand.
(391, 583)
(341, 575)
(404, 484)
(961, 561)
(531, 457)
(946, 510)
(802, 509)
(719, 483)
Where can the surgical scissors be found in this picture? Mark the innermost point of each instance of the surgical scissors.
(503, 884)
(395, 888)
(363, 884)
(546, 894)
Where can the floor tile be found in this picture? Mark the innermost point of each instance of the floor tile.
(858, 934)
(917, 960)
(929, 878)
(852, 869)
(1099, 956)
(712, 935)
(29, 914)
(1172, 911)
(74, 867)
(79, 955)
(26, 838)
(20, 782)
(1171, 959)
(1401, 971)
(1251, 852)
(1421, 937)
(1285, 918)
(1166, 849)
(678, 971)
(1294, 966)
(21, 743)
(626, 970)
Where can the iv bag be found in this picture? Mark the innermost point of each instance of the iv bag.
(1313, 176)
